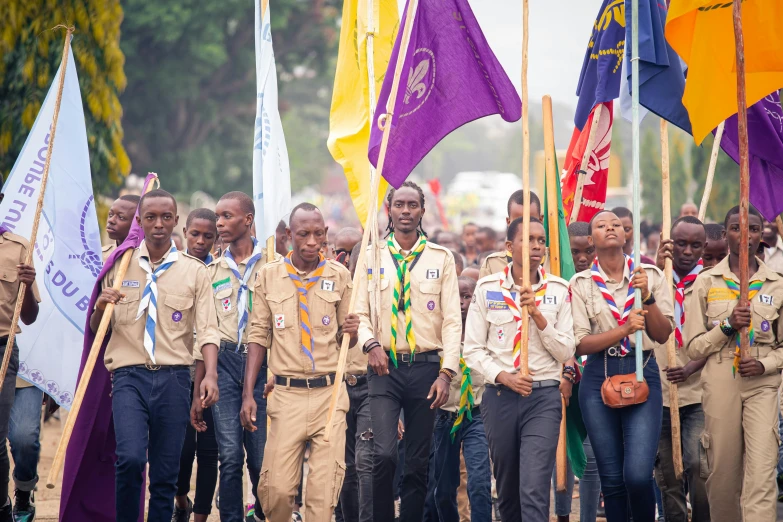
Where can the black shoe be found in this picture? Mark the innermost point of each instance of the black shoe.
(182, 515)
(6, 512)
(24, 506)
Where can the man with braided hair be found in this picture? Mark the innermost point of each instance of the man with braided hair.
(420, 325)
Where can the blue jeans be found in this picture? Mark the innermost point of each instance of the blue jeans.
(589, 486)
(151, 411)
(233, 440)
(625, 440)
(24, 429)
(473, 441)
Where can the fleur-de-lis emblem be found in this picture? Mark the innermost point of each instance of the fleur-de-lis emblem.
(416, 84)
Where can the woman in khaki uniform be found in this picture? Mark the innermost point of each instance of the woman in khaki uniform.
(740, 411)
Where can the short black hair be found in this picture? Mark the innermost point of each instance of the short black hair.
(157, 193)
(602, 211)
(686, 219)
(305, 206)
(281, 226)
(489, 231)
(513, 227)
(459, 262)
(714, 231)
(131, 198)
(201, 213)
(622, 212)
(467, 280)
(518, 197)
(245, 201)
(579, 229)
(735, 210)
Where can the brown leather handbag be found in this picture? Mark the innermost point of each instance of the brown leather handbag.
(619, 391)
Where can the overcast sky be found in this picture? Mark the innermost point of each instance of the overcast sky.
(559, 32)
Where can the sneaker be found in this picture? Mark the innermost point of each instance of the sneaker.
(296, 517)
(24, 506)
(6, 512)
(182, 515)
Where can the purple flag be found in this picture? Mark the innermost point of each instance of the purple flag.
(88, 478)
(450, 77)
(765, 146)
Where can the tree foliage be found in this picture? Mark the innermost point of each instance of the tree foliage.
(30, 53)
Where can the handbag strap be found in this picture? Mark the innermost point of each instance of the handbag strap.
(606, 370)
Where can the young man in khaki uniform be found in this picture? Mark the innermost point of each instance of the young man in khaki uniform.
(521, 413)
(298, 304)
(498, 261)
(119, 221)
(740, 411)
(165, 295)
(420, 325)
(685, 249)
(233, 276)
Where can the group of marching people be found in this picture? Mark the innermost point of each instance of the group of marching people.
(229, 352)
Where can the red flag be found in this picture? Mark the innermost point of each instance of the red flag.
(435, 188)
(597, 171)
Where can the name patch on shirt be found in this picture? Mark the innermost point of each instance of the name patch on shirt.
(279, 321)
(131, 284)
(766, 299)
(720, 294)
(495, 300)
(550, 300)
(226, 304)
(223, 284)
(433, 273)
(327, 285)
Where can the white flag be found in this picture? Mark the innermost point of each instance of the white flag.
(67, 253)
(271, 172)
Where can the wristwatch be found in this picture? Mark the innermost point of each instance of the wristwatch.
(369, 346)
(726, 328)
(650, 300)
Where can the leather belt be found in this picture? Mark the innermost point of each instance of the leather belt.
(313, 382)
(156, 367)
(416, 357)
(228, 345)
(453, 414)
(547, 383)
(355, 380)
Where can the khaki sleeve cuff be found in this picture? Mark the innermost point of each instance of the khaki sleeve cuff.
(363, 335)
(451, 362)
(493, 370)
(770, 363)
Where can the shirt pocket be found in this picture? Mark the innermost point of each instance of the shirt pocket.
(549, 312)
(9, 286)
(226, 304)
(284, 308)
(502, 328)
(765, 318)
(716, 312)
(324, 311)
(386, 295)
(429, 299)
(126, 310)
(177, 312)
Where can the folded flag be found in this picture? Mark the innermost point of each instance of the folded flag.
(450, 77)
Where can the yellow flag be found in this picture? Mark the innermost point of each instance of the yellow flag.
(702, 33)
(349, 120)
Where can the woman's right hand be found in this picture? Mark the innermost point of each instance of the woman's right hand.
(635, 322)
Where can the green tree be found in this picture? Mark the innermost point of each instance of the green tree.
(30, 53)
(650, 161)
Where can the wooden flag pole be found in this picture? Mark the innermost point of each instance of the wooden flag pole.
(384, 120)
(581, 175)
(89, 366)
(742, 123)
(523, 355)
(636, 183)
(553, 232)
(9, 345)
(705, 199)
(671, 350)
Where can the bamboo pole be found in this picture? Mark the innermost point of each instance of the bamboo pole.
(636, 183)
(89, 366)
(580, 183)
(523, 353)
(671, 350)
(9, 345)
(742, 124)
(553, 220)
(705, 199)
(387, 120)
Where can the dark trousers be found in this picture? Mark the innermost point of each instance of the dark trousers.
(6, 403)
(522, 434)
(356, 495)
(233, 440)
(694, 459)
(405, 388)
(204, 445)
(151, 412)
(625, 440)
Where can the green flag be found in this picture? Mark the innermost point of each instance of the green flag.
(575, 428)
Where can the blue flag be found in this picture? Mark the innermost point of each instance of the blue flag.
(601, 73)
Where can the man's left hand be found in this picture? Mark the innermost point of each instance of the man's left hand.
(26, 274)
(750, 367)
(439, 390)
(208, 391)
(566, 389)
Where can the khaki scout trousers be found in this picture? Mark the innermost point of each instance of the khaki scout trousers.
(741, 440)
(298, 415)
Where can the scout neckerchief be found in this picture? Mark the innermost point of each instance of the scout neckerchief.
(401, 298)
(512, 305)
(149, 299)
(753, 289)
(243, 303)
(679, 299)
(207, 260)
(625, 344)
(465, 398)
(304, 312)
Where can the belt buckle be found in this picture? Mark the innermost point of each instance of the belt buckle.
(615, 351)
(351, 380)
(404, 356)
(307, 381)
(152, 367)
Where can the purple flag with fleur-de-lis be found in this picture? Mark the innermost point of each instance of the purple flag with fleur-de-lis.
(450, 77)
(765, 152)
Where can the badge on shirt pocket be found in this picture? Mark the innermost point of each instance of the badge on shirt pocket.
(766, 299)
(226, 304)
(501, 334)
(327, 285)
(279, 321)
(550, 300)
(433, 273)
(131, 284)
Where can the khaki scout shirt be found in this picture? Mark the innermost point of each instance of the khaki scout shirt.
(690, 390)
(591, 313)
(13, 252)
(773, 257)
(491, 327)
(476, 379)
(275, 320)
(357, 362)
(498, 261)
(711, 301)
(436, 316)
(184, 301)
(106, 250)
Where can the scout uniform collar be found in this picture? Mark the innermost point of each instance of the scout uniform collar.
(763, 273)
(507, 280)
(401, 296)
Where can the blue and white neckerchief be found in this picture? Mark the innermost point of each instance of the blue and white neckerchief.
(149, 299)
(206, 260)
(243, 303)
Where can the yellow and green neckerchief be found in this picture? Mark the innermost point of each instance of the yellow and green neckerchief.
(401, 297)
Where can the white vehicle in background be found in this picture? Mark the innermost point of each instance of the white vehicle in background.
(482, 197)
